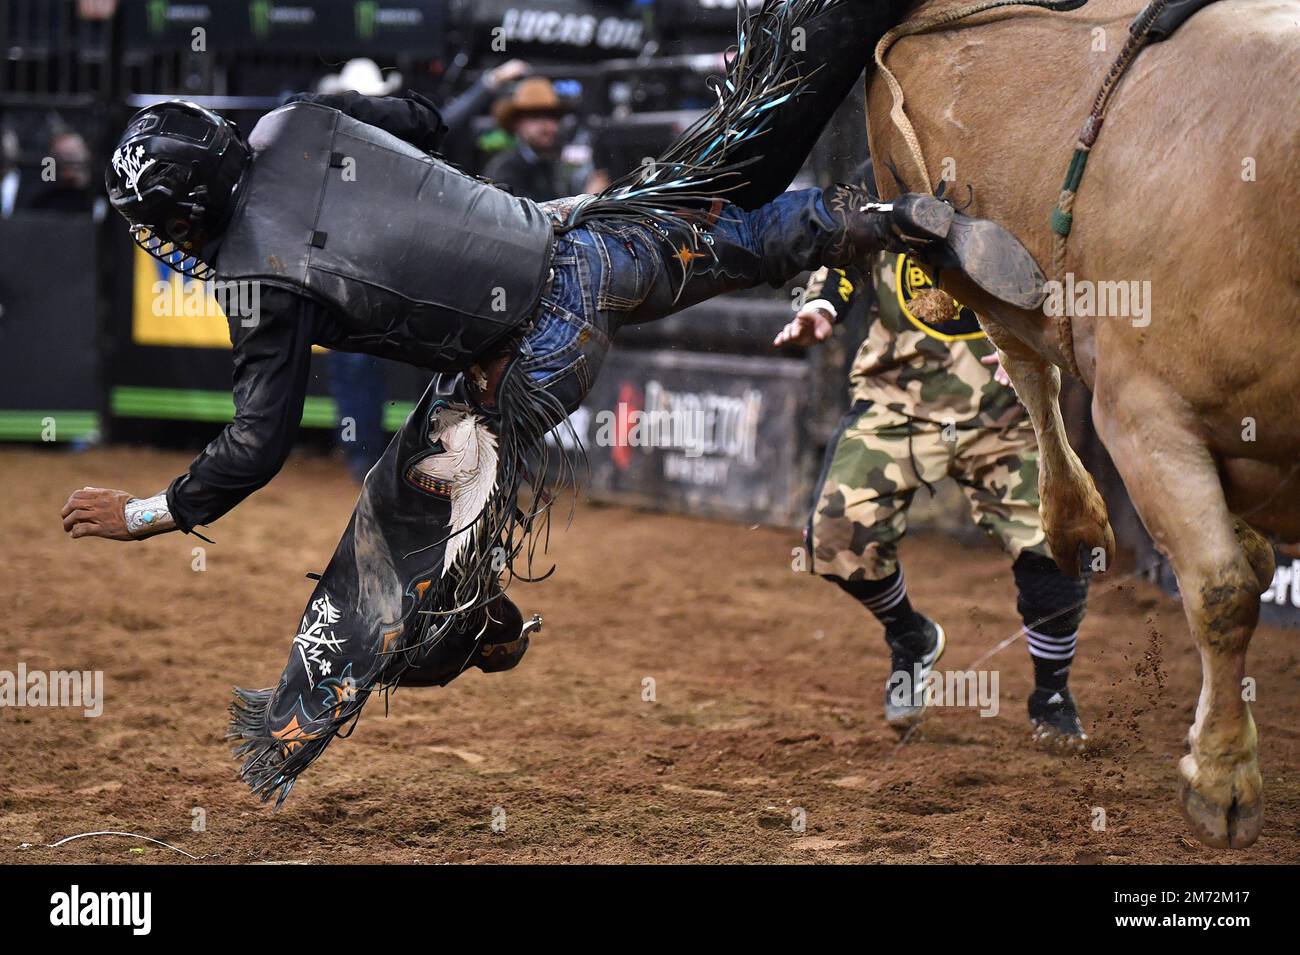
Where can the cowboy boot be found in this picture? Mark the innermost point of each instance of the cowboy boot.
(502, 649)
(933, 231)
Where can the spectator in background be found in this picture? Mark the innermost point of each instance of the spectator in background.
(9, 150)
(358, 389)
(460, 112)
(363, 76)
(69, 191)
(531, 168)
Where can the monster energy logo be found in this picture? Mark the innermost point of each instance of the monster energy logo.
(263, 13)
(159, 13)
(259, 17)
(366, 13)
(370, 16)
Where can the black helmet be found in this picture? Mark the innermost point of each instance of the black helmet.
(174, 177)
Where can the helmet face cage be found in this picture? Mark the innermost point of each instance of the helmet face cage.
(180, 258)
(174, 177)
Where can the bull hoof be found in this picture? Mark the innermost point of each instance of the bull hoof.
(1082, 542)
(1235, 827)
(1075, 522)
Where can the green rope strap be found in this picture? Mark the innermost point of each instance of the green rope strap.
(1063, 219)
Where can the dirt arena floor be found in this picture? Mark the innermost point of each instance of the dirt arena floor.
(767, 692)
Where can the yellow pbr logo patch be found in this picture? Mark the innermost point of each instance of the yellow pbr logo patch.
(911, 279)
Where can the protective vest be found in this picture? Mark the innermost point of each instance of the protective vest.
(416, 259)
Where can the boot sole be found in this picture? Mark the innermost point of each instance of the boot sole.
(995, 260)
(929, 218)
(1054, 741)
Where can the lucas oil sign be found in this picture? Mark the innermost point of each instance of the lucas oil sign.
(1280, 604)
(703, 434)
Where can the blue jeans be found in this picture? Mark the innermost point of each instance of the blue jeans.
(357, 386)
(615, 273)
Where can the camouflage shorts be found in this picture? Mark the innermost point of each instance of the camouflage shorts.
(877, 462)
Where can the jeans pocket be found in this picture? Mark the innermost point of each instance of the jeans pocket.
(554, 334)
(570, 385)
(628, 265)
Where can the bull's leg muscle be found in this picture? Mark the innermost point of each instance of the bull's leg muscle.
(1222, 567)
(1074, 514)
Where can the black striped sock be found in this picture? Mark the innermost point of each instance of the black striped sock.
(886, 599)
(1052, 655)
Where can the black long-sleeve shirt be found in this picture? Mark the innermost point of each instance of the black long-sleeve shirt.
(527, 174)
(272, 365)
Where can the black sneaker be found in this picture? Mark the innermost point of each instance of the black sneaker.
(1055, 719)
(912, 659)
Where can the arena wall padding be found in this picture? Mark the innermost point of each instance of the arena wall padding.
(49, 366)
(718, 435)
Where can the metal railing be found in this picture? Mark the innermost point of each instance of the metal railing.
(52, 55)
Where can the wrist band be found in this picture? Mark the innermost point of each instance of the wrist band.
(148, 516)
(825, 306)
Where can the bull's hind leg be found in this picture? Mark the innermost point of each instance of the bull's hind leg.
(1222, 567)
(1074, 514)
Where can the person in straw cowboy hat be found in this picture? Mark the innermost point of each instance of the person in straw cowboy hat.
(532, 114)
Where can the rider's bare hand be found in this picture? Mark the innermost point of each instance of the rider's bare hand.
(809, 327)
(97, 512)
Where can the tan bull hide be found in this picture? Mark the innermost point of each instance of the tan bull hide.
(1191, 208)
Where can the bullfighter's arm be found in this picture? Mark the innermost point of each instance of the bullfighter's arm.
(828, 295)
